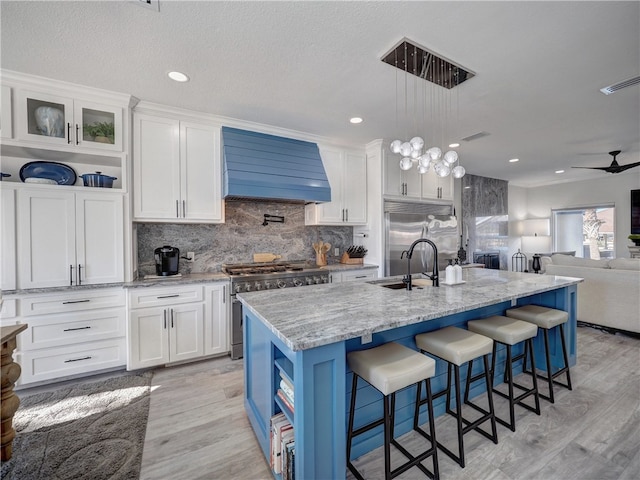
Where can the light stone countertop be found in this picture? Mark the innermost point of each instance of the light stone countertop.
(188, 279)
(161, 282)
(322, 314)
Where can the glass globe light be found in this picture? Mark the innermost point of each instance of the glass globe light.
(458, 171)
(417, 143)
(395, 146)
(442, 169)
(435, 153)
(422, 169)
(406, 163)
(424, 161)
(450, 157)
(415, 154)
(405, 149)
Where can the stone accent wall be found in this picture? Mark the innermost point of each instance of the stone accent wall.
(239, 237)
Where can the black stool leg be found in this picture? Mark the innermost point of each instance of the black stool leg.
(432, 429)
(549, 368)
(565, 357)
(459, 416)
(387, 436)
(536, 392)
(492, 412)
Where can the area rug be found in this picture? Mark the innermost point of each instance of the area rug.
(86, 431)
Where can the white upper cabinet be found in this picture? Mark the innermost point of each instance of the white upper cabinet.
(177, 172)
(48, 118)
(68, 239)
(6, 127)
(8, 238)
(347, 174)
(409, 184)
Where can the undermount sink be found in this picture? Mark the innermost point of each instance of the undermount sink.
(417, 283)
(394, 286)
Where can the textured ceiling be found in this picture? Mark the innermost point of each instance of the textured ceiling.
(310, 66)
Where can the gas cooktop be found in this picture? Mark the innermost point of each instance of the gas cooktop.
(267, 268)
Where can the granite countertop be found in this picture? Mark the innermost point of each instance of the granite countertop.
(323, 314)
(181, 280)
(161, 282)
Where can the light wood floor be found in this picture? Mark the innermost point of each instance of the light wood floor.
(198, 429)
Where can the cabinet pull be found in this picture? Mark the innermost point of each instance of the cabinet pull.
(68, 132)
(346, 214)
(76, 301)
(361, 276)
(71, 275)
(224, 294)
(184, 209)
(169, 296)
(77, 359)
(177, 207)
(79, 274)
(164, 315)
(74, 329)
(77, 134)
(172, 318)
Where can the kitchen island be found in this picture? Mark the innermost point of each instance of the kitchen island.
(304, 336)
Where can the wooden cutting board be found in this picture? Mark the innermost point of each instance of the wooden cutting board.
(265, 257)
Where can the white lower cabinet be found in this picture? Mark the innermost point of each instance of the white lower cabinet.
(176, 323)
(362, 275)
(70, 334)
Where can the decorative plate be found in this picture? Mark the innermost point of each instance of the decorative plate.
(62, 174)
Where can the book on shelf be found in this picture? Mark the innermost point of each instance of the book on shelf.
(286, 388)
(287, 438)
(286, 431)
(283, 396)
(277, 423)
(285, 379)
(289, 471)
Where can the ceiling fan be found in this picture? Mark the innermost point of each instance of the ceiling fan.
(614, 167)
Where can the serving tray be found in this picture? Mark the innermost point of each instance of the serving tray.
(62, 174)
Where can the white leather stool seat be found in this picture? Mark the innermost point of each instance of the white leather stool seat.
(543, 317)
(391, 366)
(455, 345)
(503, 329)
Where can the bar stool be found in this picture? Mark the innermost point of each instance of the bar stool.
(546, 318)
(389, 368)
(457, 346)
(510, 332)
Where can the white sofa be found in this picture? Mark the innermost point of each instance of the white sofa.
(610, 293)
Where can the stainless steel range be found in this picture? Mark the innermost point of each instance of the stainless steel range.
(251, 277)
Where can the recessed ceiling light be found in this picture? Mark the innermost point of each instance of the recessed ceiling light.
(559, 171)
(178, 76)
(467, 187)
(355, 120)
(514, 160)
(454, 145)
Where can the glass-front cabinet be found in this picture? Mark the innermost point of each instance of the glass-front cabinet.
(59, 120)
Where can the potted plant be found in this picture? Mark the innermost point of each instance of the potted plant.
(103, 132)
(635, 238)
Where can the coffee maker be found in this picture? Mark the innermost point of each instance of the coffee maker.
(166, 260)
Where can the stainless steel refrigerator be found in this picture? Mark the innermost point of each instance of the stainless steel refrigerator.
(406, 222)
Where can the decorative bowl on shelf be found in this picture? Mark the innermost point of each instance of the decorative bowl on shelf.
(58, 172)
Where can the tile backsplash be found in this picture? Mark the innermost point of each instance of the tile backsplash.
(242, 235)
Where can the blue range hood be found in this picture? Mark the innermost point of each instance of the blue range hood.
(257, 165)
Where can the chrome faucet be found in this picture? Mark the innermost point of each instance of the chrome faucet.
(434, 276)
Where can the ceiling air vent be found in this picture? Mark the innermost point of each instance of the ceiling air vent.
(475, 136)
(421, 62)
(619, 86)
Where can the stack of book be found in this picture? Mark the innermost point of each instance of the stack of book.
(285, 392)
(282, 447)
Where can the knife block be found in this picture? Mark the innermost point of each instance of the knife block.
(347, 260)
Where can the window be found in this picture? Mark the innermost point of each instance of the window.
(589, 231)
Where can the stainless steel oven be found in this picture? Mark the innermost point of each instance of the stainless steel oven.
(249, 277)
